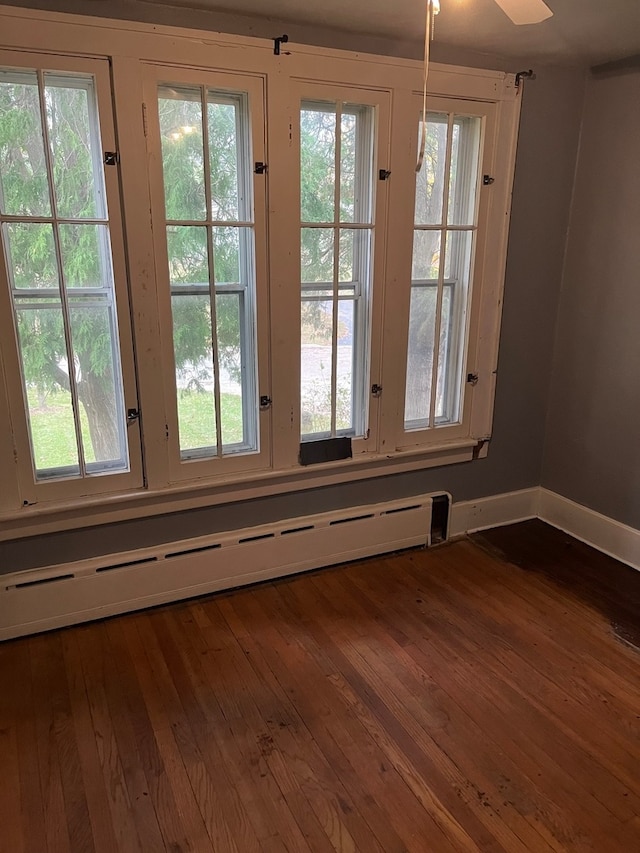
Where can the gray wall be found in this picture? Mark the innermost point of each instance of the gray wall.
(592, 452)
(542, 194)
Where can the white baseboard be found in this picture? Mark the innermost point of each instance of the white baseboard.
(493, 511)
(601, 532)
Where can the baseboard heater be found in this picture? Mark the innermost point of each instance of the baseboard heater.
(40, 599)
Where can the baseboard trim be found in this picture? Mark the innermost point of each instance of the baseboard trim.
(601, 532)
(493, 511)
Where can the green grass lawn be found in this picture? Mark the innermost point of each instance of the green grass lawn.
(54, 435)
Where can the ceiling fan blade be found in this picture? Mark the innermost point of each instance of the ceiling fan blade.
(525, 11)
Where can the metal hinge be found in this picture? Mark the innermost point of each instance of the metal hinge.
(487, 180)
(260, 168)
(265, 401)
(111, 158)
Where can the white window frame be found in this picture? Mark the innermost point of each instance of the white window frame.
(33, 490)
(303, 72)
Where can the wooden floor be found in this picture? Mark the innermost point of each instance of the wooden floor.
(443, 700)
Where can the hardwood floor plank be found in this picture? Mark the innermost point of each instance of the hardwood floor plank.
(479, 696)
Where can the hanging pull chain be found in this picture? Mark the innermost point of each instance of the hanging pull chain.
(433, 7)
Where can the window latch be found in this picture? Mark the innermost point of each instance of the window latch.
(376, 390)
(472, 378)
(111, 158)
(487, 180)
(265, 402)
(260, 168)
(384, 174)
(132, 416)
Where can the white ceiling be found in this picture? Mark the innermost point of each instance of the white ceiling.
(580, 31)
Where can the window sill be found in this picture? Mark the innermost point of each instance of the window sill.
(48, 517)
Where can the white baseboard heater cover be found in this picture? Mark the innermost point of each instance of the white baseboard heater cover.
(41, 599)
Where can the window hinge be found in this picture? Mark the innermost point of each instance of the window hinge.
(277, 42)
(132, 416)
(384, 174)
(376, 390)
(472, 378)
(487, 180)
(260, 168)
(265, 402)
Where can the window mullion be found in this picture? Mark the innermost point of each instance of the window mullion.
(66, 324)
(441, 270)
(212, 276)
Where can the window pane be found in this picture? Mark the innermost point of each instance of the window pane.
(229, 330)
(182, 153)
(317, 255)
(430, 180)
(98, 381)
(445, 398)
(422, 320)
(345, 365)
(86, 256)
(226, 254)
(75, 152)
(194, 372)
(31, 255)
(223, 158)
(24, 189)
(426, 255)
(46, 379)
(317, 163)
(316, 365)
(348, 167)
(463, 178)
(188, 255)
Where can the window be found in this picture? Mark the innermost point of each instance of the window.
(210, 248)
(336, 189)
(248, 263)
(58, 261)
(445, 223)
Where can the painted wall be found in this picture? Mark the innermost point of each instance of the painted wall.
(545, 163)
(592, 452)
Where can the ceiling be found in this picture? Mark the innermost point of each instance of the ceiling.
(580, 31)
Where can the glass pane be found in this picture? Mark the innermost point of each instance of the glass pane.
(24, 189)
(457, 257)
(93, 336)
(317, 163)
(194, 372)
(182, 153)
(345, 262)
(345, 365)
(422, 320)
(317, 255)
(430, 180)
(348, 167)
(46, 377)
(188, 256)
(446, 380)
(229, 329)
(31, 256)
(72, 126)
(226, 255)
(316, 365)
(223, 158)
(86, 256)
(426, 255)
(464, 170)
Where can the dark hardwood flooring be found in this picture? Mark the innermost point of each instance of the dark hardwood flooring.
(479, 696)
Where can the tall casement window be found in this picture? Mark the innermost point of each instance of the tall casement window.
(205, 145)
(59, 269)
(337, 210)
(445, 224)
